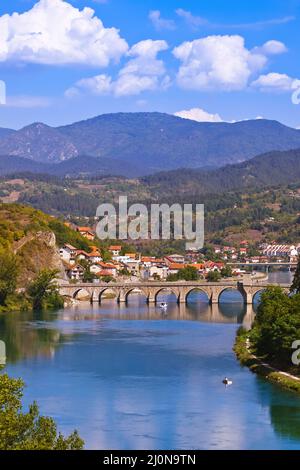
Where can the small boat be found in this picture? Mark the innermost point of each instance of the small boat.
(226, 381)
(163, 305)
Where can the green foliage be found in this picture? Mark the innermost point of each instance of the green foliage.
(277, 325)
(8, 275)
(213, 276)
(226, 271)
(189, 273)
(43, 291)
(28, 431)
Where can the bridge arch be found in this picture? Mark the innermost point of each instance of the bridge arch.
(256, 295)
(84, 291)
(239, 298)
(205, 295)
(105, 289)
(140, 294)
(166, 289)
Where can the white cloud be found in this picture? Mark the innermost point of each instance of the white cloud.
(160, 23)
(221, 62)
(271, 48)
(199, 115)
(142, 72)
(54, 32)
(275, 82)
(192, 20)
(196, 21)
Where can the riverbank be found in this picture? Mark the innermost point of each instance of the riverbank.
(242, 349)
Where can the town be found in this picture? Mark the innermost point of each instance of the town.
(212, 263)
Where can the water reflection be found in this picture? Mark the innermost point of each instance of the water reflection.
(133, 377)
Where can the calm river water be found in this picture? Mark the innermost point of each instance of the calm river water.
(132, 377)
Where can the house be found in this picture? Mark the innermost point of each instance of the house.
(95, 256)
(86, 232)
(66, 252)
(115, 250)
(95, 268)
(171, 259)
(81, 254)
(156, 272)
(75, 272)
(211, 266)
(173, 268)
(107, 269)
(243, 251)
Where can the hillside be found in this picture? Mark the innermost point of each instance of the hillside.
(270, 169)
(133, 144)
(33, 236)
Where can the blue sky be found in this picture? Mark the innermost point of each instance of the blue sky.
(206, 60)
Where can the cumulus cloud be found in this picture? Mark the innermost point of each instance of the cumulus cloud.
(160, 23)
(275, 82)
(144, 71)
(271, 48)
(199, 115)
(54, 32)
(221, 62)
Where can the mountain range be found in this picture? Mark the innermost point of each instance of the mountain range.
(137, 144)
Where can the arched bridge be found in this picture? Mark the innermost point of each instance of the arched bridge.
(152, 289)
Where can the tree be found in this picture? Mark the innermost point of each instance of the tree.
(295, 287)
(189, 273)
(43, 290)
(213, 276)
(226, 271)
(8, 275)
(277, 325)
(28, 431)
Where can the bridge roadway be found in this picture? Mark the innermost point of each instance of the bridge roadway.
(151, 289)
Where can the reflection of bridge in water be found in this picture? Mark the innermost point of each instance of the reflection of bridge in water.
(231, 312)
(181, 290)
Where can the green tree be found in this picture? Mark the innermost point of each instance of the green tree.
(277, 325)
(8, 275)
(226, 271)
(28, 431)
(43, 290)
(189, 273)
(213, 276)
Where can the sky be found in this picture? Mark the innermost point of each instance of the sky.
(208, 60)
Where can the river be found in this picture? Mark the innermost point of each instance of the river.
(133, 377)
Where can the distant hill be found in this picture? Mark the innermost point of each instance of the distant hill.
(74, 167)
(270, 169)
(146, 143)
(38, 142)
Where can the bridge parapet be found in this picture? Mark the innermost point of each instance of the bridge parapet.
(152, 289)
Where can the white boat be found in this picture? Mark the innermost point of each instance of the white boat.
(163, 305)
(227, 381)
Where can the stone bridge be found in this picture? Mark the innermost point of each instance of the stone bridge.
(152, 289)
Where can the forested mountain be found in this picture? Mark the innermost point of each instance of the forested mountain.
(145, 143)
(270, 169)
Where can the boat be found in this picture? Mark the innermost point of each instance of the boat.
(227, 381)
(163, 305)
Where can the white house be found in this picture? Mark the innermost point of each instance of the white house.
(67, 252)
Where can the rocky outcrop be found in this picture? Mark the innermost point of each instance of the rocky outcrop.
(36, 252)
